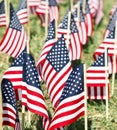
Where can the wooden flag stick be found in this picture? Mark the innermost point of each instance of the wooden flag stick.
(85, 96)
(71, 4)
(114, 60)
(6, 4)
(84, 5)
(106, 73)
(68, 29)
(78, 13)
(0, 111)
(46, 19)
(23, 116)
(56, 28)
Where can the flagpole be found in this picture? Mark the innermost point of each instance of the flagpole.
(85, 94)
(56, 28)
(114, 60)
(68, 29)
(84, 5)
(0, 111)
(7, 11)
(71, 4)
(46, 19)
(23, 116)
(106, 73)
(78, 13)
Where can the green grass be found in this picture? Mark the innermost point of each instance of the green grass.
(96, 109)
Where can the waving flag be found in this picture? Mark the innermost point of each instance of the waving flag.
(109, 41)
(53, 10)
(111, 24)
(41, 11)
(75, 47)
(22, 12)
(10, 111)
(96, 79)
(83, 32)
(15, 39)
(50, 41)
(55, 70)
(33, 5)
(89, 20)
(2, 14)
(71, 105)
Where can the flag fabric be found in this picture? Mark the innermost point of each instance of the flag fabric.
(2, 14)
(22, 12)
(83, 31)
(88, 19)
(109, 41)
(32, 96)
(41, 10)
(60, 1)
(14, 40)
(55, 70)
(50, 41)
(111, 24)
(113, 9)
(9, 105)
(74, 45)
(14, 74)
(33, 5)
(96, 79)
(71, 106)
(53, 10)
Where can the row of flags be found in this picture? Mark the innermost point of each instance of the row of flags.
(64, 83)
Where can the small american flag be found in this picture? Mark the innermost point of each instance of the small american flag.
(10, 111)
(111, 24)
(71, 106)
(22, 12)
(109, 41)
(83, 31)
(14, 74)
(50, 41)
(75, 47)
(33, 5)
(15, 39)
(55, 70)
(2, 14)
(53, 10)
(96, 79)
(41, 11)
(88, 19)
(32, 95)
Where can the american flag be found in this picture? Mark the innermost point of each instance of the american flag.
(94, 6)
(96, 79)
(88, 19)
(55, 70)
(109, 41)
(60, 1)
(10, 111)
(15, 39)
(32, 96)
(22, 12)
(71, 105)
(53, 10)
(50, 41)
(14, 74)
(113, 9)
(83, 32)
(2, 14)
(41, 11)
(33, 5)
(111, 24)
(75, 47)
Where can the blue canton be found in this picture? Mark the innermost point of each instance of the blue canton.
(58, 55)
(14, 21)
(2, 9)
(74, 84)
